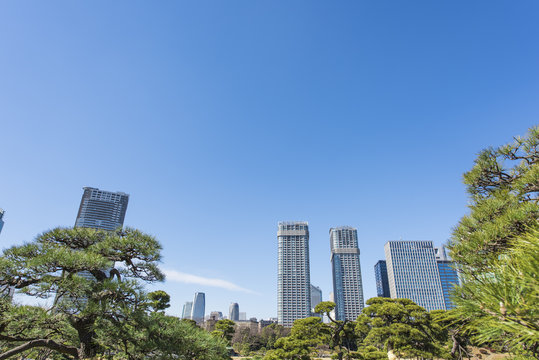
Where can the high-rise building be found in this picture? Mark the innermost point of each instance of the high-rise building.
(199, 307)
(316, 297)
(234, 312)
(347, 284)
(187, 310)
(448, 275)
(243, 316)
(294, 282)
(413, 273)
(382, 283)
(1, 219)
(102, 209)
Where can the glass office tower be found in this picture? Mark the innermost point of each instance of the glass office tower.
(413, 273)
(294, 282)
(187, 310)
(448, 275)
(382, 283)
(234, 312)
(347, 284)
(199, 307)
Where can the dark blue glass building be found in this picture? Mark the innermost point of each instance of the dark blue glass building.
(382, 283)
(448, 276)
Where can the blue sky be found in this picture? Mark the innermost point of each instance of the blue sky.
(221, 118)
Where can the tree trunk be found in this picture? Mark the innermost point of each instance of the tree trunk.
(67, 350)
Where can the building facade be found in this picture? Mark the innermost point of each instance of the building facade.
(1, 219)
(448, 275)
(234, 312)
(199, 307)
(413, 273)
(187, 310)
(316, 298)
(102, 209)
(346, 267)
(382, 283)
(294, 282)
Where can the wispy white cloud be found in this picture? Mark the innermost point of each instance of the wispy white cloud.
(173, 275)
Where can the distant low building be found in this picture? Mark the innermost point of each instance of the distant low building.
(216, 315)
(263, 323)
(251, 324)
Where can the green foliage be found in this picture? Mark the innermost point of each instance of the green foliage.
(496, 247)
(503, 186)
(224, 329)
(502, 305)
(159, 336)
(271, 333)
(159, 299)
(311, 328)
(291, 348)
(95, 311)
(370, 352)
(305, 335)
(399, 326)
(342, 334)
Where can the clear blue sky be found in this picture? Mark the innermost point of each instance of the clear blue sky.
(221, 118)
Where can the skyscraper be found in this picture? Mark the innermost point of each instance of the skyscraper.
(187, 310)
(382, 283)
(294, 281)
(199, 307)
(413, 273)
(448, 275)
(1, 219)
(102, 209)
(316, 296)
(234, 312)
(347, 284)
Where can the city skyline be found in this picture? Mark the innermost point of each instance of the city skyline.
(221, 119)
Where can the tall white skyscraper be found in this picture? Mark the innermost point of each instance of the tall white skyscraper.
(294, 281)
(347, 284)
(413, 273)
